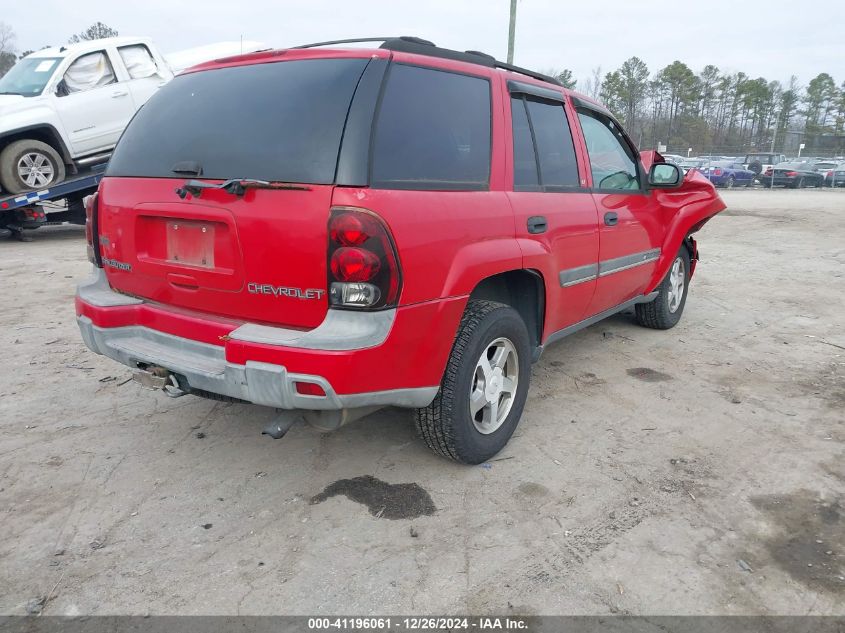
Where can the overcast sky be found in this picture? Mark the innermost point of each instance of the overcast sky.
(771, 38)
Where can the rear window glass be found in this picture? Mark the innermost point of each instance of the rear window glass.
(279, 121)
(433, 131)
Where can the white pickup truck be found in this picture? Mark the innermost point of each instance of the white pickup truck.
(63, 109)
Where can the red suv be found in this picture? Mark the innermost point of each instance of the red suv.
(329, 231)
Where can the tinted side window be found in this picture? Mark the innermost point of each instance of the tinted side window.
(555, 151)
(432, 131)
(544, 154)
(525, 171)
(612, 160)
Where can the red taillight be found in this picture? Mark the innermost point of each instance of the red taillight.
(363, 267)
(354, 264)
(351, 229)
(769, 171)
(309, 389)
(92, 230)
(717, 172)
(791, 174)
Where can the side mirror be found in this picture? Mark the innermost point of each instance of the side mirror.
(61, 89)
(665, 176)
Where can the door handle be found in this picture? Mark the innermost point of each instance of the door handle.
(610, 218)
(117, 95)
(537, 224)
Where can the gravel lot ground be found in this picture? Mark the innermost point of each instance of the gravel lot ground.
(694, 471)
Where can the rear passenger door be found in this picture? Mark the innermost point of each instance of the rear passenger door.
(145, 77)
(631, 223)
(556, 221)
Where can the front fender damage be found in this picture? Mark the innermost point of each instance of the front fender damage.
(686, 209)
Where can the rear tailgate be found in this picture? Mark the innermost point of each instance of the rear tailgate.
(260, 257)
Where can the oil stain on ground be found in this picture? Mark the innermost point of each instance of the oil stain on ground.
(383, 500)
(810, 542)
(648, 375)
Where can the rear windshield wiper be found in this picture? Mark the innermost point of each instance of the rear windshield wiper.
(235, 186)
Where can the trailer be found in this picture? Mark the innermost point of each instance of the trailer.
(29, 211)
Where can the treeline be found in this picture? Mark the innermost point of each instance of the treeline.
(677, 107)
(712, 110)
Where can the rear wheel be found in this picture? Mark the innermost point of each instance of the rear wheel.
(484, 387)
(29, 165)
(730, 182)
(666, 309)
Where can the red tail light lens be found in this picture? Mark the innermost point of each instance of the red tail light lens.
(351, 229)
(769, 171)
(791, 174)
(354, 264)
(363, 267)
(717, 172)
(92, 230)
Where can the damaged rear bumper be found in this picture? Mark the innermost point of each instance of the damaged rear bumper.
(258, 364)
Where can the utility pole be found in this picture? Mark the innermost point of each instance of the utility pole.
(511, 31)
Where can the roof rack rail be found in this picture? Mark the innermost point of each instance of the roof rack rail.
(419, 46)
(357, 40)
(529, 73)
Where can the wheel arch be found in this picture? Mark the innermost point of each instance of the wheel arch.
(689, 214)
(45, 133)
(524, 290)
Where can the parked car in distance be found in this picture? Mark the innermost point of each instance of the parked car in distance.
(693, 163)
(760, 162)
(728, 174)
(793, 175)
(824, 164)
(396, 226)
(673, 158)
(835, 177)
(62, 109)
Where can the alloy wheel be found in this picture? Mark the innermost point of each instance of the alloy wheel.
(494, 384)
(677, 278)
(36, 169)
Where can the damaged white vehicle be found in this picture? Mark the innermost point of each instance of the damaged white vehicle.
(63, 109)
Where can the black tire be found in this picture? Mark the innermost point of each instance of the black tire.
(657, 314)
(730, 182)
(10, 178)
(446, 425)
(756, 166)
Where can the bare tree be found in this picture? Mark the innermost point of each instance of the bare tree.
(7, 38)
(592, 85)
(7, 48)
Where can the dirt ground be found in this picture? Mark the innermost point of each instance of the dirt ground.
(695, 471)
